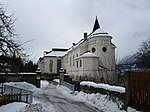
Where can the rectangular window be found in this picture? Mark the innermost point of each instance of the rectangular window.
(58, 65)
(80, 63)
(77, 63)
(51, 65)
(70, 61)
(67, 59)
(73, 60)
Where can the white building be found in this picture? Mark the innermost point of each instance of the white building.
(92, 58)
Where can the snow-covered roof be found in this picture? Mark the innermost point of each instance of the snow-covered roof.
(75, 45)
(56, 53)
(20, 73)
(99, 32)
(88, 55)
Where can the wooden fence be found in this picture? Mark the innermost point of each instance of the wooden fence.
(137, 94)
(9, 98)
(26, 95)
(138, 90)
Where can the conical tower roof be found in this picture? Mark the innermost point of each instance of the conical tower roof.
(97, 31)
(96, 25)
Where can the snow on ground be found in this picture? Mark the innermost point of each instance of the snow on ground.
(49, 97)
(97, 100)
(38, 107)
(44, 83)
(12, 107)
(23, 85)
(56, 80)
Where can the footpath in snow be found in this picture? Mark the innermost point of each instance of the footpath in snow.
(54, 98)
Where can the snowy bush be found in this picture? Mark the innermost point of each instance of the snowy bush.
(115, 94)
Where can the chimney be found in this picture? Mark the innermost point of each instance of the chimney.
(85, 36)
(73, 44)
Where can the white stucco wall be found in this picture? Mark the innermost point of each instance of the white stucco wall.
(107, 58)
(46, 64)
(69, 62)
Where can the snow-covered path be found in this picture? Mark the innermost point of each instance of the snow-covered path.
(54, 98)
(60, 102)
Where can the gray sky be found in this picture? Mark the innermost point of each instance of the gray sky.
(59, 23)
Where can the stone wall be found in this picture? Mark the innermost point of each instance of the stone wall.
(19, 77)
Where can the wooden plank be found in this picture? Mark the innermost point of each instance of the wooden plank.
(140, 90)
(8, 98)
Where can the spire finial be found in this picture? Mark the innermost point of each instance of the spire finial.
(96, 25)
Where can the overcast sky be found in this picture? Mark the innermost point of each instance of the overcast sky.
(59, 23)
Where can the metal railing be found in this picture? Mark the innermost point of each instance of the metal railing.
(26, 95)
(68, 85)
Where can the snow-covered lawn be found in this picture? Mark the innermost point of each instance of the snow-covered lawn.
(12, 107)
(49, 97)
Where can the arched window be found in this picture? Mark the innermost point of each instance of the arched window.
(51, 65)
(73, 60)
(80, 63)
(77, 63)
(70, 61)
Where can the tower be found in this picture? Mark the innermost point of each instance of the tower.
(99, 43)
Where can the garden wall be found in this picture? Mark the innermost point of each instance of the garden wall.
(19, 77)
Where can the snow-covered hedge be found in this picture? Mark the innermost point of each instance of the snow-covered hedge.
(104, 86)
(115, 93)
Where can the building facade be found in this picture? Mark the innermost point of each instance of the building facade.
(92, 58)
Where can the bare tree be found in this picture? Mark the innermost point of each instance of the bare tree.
(9, 43)
(143, 55)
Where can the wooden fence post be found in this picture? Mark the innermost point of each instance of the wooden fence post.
(2, 89)
(128, 89)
